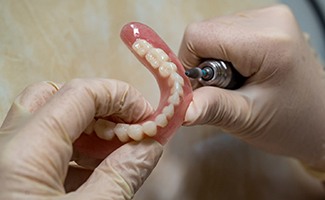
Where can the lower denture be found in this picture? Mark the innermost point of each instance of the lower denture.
(175, 95)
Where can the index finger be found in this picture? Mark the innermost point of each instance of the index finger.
(246, 39)
(63, 118)
(79, 101)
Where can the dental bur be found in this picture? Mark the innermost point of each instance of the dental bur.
(217, 73)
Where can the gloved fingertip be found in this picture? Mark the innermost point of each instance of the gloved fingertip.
(140, 158)
(151, 144)
(148, 150)
(191, 115)
(125, 170)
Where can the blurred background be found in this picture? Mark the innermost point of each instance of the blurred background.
(311, 17)
(60, 40)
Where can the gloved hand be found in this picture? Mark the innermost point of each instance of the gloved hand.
(37, 135)
(281, 107)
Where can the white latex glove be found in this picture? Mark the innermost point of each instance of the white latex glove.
(281, 107)
(37, 135)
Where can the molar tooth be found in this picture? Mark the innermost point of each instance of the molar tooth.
(150, 128)
(141, 47)
(90, 127)
(104, 129)
(121, 132)
(175, 77)
(167, 68)
(177, 88)
(168, 111)
(156, 56)
(135, 132)
(174, 99)
(161, 120)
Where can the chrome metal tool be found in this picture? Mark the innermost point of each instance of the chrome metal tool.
(217, 73)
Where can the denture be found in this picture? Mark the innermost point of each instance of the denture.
(175, 96)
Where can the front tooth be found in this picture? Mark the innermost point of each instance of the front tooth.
(135, 132)
(141, 47)
(104, 129)
(167, 68)
(150, 128)
(156, 56)
(174, 77)
(121, 132)
(168, 111)
(177, 88)
(174, 99)
(161, 120)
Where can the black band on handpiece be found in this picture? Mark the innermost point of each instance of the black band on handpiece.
(237, 80)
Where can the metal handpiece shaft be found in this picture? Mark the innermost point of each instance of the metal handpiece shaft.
(217, 73)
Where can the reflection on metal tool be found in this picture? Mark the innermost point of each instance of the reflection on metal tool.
(217, 73)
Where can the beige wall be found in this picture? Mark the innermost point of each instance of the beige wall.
(60, 40)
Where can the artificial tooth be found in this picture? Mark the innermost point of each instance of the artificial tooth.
(135, 132)
(177, 88)
(168, 111)
(104, 129)
(149, 128)
(141, 47)
(90, 127)
(161, 120)
(120, 131)
(167, 68)
(174, 77)
(174, 99)
(156, 56)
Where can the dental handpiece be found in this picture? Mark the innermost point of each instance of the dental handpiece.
(217, 73)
